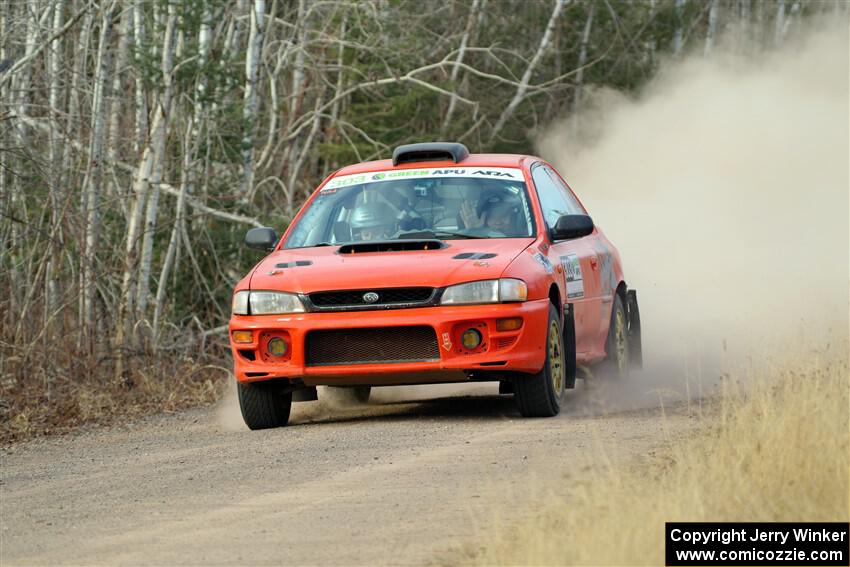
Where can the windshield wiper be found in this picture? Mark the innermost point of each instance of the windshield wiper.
(439, 234)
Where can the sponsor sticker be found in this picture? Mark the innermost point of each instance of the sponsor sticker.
(507, 173)
(543, 261)
(447, 341)
(572, 270)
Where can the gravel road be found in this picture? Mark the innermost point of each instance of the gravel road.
(394, 482)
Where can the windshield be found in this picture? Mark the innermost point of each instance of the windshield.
(447, 204)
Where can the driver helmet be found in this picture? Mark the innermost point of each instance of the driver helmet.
(372, 221)
(500, 211)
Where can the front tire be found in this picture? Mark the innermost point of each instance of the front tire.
(263, 404)
(541, 394)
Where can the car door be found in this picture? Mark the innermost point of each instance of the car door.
(576, 261)
(604, 270)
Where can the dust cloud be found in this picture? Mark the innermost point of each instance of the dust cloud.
(724, 184)
(227, 413)
(331, 406)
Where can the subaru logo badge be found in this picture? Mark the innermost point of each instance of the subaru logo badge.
(370, 297)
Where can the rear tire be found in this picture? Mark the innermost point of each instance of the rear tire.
(541, 394)
(263, 404)
(616, 365)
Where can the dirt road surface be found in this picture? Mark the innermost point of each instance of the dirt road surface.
(395, 482)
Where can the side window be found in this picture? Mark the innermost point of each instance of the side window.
(574, 206)
(552, 198)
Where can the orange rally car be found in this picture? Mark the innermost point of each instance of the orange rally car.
(436, 266)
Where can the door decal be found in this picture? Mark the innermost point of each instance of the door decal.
(572, 269)
(607, 277)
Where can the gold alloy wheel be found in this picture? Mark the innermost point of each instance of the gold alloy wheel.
(621, 342)
(556, 359)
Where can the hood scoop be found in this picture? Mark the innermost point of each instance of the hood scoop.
(391, 246)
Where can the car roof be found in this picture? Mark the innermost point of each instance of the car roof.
(480, 160)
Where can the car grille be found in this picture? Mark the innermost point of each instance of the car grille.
(388, 297)
(376, 345)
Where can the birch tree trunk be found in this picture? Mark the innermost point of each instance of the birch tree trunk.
(292, 157)
(116, 97)
(743, 24)
(582, 60)
(56, 193)
(147, 177)
(141, 123)
(187, 173)
(340, 75)
(252, 63)
(461, 53)
(529, 71)
(295, 170)
(711, 31)
(173, 241)
(679, 34)
(789, 20)
(159, 134)
(73, 122)
(94, 174)
(298, 74)
(780, 23)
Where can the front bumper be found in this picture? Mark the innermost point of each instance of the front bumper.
(521, 350)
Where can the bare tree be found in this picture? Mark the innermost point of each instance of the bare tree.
(529, 71)
(712, 27)
(582, 61)
(252, 63)
(474, 10)
(94, 172)
(191, 142)
(679, 34)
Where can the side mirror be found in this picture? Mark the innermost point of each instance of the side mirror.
(571, 226)
(263, 238)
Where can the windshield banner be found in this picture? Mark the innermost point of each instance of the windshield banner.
(503, 173)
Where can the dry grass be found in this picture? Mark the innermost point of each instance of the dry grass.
(775, 451)
(51, 390)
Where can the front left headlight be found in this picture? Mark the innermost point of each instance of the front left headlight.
(266, 303)
(486, 291)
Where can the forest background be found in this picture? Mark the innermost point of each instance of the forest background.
(139, 139)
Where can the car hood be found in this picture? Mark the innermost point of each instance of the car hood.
(307, 270)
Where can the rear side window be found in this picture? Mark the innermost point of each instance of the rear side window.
(555, 198)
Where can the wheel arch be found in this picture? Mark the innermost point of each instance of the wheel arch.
(555, 299)
(621, 291)
(568, 330)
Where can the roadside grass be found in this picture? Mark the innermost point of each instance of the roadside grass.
(56, 393)
(774, 447)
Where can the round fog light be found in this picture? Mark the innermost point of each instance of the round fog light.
(277, 347)
(470, 339)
